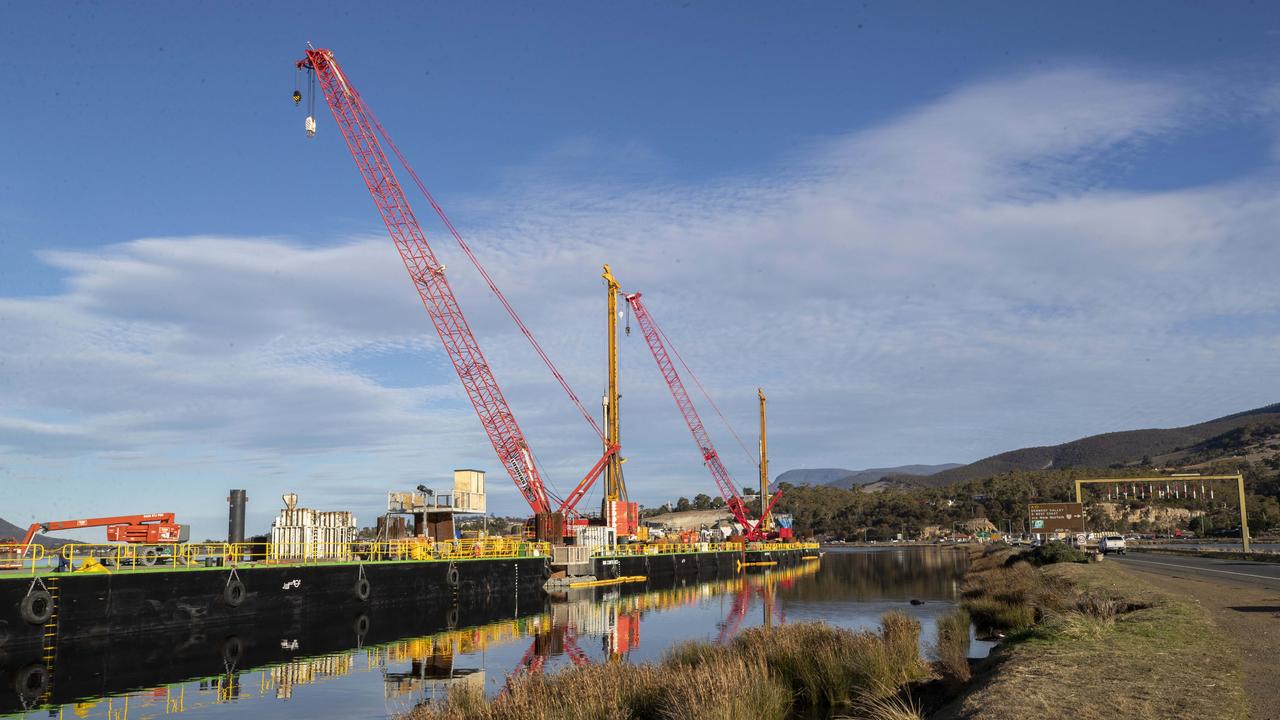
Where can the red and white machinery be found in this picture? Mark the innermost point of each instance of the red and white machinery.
(149, 529)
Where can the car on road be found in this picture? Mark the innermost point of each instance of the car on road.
(1111, 544)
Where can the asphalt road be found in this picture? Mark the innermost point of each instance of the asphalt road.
(1262, 575)
(1205, 546)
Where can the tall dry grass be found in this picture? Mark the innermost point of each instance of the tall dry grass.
(764, 674)
(951, 646)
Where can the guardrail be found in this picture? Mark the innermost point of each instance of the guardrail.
(19, 557)
(774, 546)
(667, 548)
(85, 557)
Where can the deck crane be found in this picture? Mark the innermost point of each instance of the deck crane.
(710, 458)
(365, 137)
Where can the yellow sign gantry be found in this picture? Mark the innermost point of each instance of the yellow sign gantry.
(1179, 477)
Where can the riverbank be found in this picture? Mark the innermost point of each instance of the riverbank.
(1086, 641)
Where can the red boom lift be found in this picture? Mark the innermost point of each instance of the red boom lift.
(149, 529)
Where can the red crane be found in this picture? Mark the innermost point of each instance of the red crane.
(710, 458)
(362, 131)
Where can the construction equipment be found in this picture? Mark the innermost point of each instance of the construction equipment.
(618, 512)
(728, 489)
(766, 522)
(149, 529)
(365, 137)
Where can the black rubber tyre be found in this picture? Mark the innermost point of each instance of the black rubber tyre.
(37, 607)
(232, 650)
(614, 571)
(233, 593)
(361, 589)
(451, 620)
(361, 625)
(31, 681)
(149, 556)
(546, 571)
(452, 576)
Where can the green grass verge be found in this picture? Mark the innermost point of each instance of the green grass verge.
(1104, 644)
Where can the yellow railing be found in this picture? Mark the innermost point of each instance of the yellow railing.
(19, 557)
(775, 546)
(667, 548)
(83, 557)
(120, 556)
(394, 550)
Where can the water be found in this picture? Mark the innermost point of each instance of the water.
(339, 672)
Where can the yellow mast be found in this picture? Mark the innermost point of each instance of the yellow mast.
(615, 488)
(766, 522)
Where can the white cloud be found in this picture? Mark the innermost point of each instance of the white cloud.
(961, 280)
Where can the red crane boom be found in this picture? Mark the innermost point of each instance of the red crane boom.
(684, 403)
(360, 130)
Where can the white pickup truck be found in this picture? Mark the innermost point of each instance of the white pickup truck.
(1111, 544)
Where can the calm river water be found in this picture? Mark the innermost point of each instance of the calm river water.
(379, 669)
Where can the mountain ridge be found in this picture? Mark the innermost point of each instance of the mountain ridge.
(842, 478)
(1117, 448)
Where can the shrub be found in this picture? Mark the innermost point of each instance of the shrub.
(1050, 553)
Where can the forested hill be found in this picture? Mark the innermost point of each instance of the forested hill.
(1130, 447)
(839, 477)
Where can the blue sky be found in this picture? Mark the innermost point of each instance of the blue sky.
(932, 232)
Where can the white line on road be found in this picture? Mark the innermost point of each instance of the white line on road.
(1205, 569)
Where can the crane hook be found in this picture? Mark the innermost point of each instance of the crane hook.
(297, 97)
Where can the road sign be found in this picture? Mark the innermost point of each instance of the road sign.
(1052, 517)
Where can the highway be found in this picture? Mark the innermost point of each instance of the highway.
(1262, 575)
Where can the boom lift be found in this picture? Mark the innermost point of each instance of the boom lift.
(710, 458)
(149, 529)
(365, 136)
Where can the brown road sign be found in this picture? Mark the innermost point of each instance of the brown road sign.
(1052, 517)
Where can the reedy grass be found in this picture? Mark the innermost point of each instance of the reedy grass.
(764, 674)
(951, 646)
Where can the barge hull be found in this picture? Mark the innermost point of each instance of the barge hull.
(94, 605)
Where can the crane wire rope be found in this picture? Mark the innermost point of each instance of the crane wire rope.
(493, 287)
(705, 394)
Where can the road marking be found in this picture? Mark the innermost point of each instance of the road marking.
(1204, 569)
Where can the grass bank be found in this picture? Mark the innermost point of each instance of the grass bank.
(764, 674)
(1089, 641)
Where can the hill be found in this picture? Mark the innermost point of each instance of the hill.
(839, 477)
(1114, 449)
(9, 530)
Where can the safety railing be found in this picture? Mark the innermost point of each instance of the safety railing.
(16, 557)
(84, 557)
(776, 546)
(661, 548)
(393, 550)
